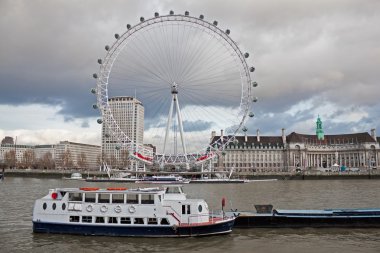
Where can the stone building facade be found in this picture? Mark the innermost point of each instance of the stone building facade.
(286, 153)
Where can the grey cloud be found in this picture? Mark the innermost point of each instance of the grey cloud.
(301, 50)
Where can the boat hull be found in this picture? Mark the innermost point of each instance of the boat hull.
(135, 231)
(298, 220)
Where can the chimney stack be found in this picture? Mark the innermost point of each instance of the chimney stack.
(245, 136)
(373, 133)
(258, 135)
(283, 136)
(221, 133)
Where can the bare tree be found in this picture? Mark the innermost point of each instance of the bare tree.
(46, 161)
(67, 160)
(10, 158)
(82, 161)
(28, 159)
(124, 159)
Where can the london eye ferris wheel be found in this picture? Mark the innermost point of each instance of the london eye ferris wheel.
(191, 77)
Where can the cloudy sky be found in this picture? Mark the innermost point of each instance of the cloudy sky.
(311, 57)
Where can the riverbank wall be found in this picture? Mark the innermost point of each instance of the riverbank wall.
(60, 174)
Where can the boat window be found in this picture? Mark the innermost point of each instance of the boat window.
(54, 206)
(74, 219)
(147, 199)
(125, 220)
(87, 219)
(75, 196)
(103, 198)
(173, 190)
(152, 221)
(200, 208)
(132, 199)
(164, 221)
(99, 220)
(138, 221)
(63, 206)
(118, 198)
(90, 197)
(183, 209)
(188, 209)
(112, 219)
(44, 206)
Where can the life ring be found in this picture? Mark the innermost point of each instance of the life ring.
(132, 209)
(104, 209)
(89, 188)
(89, 208)
(117, 208)
(116, 189)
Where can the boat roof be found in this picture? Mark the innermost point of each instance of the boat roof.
(110, 190)
(152, 190)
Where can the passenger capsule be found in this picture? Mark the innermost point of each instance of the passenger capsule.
(215, 23)
(251, 114)
(117, 36)
(245, 129)
(171, 12)
(107, 135)
(255, 99)
(107, 48)
(128, 26)
(117, 147)
(228, 32)
(252, 69)
(201, 17)
(246, 55)
(93, 91)
(156, 14)
(186, 13)
(254, 84)
(100, 121)
(142, 19)
(95, 106)
(100, 61)
(95, 75)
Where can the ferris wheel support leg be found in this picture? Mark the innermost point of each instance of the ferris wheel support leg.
(168, 124)
(181, 128)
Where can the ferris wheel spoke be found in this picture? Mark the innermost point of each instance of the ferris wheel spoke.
(198, 50)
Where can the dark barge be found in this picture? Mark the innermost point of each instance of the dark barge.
(267, 217)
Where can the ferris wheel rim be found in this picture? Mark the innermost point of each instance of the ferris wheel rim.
(114, 50)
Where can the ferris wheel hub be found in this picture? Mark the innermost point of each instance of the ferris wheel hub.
(174, 89)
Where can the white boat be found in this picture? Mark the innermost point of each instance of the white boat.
(219, 181)
(170, 179)
(75, 176)
(149, 212)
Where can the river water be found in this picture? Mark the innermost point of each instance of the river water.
(17, 196)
